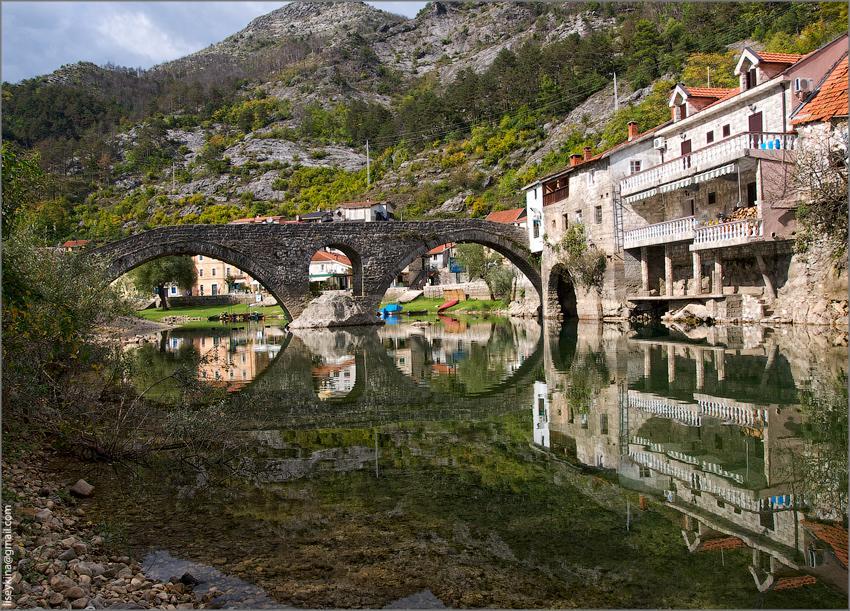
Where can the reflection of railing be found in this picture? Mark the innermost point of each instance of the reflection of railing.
(745, 415)
(724, 233)
(659, 233)
(723, 151)
(683, 412)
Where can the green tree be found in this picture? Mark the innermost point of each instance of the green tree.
(24, 183)
(481, 263)
(159, 272)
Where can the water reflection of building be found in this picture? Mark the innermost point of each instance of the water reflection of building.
(231, 357)
(335, 376)
(712, 426)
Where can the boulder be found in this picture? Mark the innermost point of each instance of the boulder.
(335, 310)
(82, 488)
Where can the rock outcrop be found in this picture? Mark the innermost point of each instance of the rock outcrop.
(335, 310)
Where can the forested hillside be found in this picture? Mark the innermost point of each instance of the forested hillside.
(460, 106)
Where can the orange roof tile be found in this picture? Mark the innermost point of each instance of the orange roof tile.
(75, 243)
(780, 58)
(710, 92)
(506, 216)
(830, 100)
(833, 535)
(714, 545)
(323, 255)
(789, 583)
(441, 248)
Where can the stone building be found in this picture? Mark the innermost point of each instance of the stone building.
(700, 209)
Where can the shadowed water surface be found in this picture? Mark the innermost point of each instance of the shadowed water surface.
(495, 463)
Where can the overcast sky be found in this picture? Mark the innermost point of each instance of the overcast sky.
(38, 37)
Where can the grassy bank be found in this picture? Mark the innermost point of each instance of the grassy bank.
(204, 312)
(470, 305)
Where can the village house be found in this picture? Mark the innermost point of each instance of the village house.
(698, 209)
(365, 211)
(331, 270)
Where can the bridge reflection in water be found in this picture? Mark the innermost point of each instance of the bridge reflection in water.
(724, 425)
(736, 434)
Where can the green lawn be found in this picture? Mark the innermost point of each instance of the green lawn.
(470, 305)
(205, 312)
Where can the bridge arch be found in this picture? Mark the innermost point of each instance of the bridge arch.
(517, 254)
(150, 250)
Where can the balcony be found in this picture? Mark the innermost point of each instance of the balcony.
(677, 230)
(555, 196)
(706, 158)
(728, 234)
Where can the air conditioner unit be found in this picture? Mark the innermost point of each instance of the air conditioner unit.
(802, 85)
(659, 143)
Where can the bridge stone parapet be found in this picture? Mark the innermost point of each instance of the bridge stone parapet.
(278, 256)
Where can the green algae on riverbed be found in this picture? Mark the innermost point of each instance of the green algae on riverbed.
(489, 462)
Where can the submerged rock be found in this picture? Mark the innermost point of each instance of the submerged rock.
(335, 310)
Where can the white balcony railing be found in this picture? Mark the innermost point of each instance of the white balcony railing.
(660, 233)
(728, 234)
(721, 152)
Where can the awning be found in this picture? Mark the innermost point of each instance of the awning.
(672, 186)
(726, 169)
(639, 196)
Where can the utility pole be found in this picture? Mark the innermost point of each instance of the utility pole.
(616, 96)
(368, 168)
(173, 186)
(708, 75)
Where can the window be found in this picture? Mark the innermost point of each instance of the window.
(644, 472)
(634, 166)
(709, 137)
(226, 271)
(213, 271)
(603, 423)
(712, 198)
(201, 289)
(536, 227)
(554, 221)
(590, 178)
(578, 217)
(200, 273)
(727, 129)
(597, 216)
(173, 290)
(566, 220)
(682, 110)
(751, 80)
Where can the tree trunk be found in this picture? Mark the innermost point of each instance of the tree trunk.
(163, 296)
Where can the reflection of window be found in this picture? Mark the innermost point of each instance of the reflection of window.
(712, 197)
(583, 421)
(541, 406)
(644, 472)
(200, 273)
(200, 257)
(536, 227)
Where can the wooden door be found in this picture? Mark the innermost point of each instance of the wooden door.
(756, 127)
(686, 154)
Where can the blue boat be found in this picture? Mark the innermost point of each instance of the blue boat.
(391, 309)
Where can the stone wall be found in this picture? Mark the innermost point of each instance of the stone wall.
(474, 290)
(815, 291)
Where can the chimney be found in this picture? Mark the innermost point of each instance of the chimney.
(633, 130)
(575, 159)
(587, 150)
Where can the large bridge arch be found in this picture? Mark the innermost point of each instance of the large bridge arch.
(491, 237)
(145, 252)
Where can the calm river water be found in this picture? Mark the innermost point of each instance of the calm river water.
(487, 462)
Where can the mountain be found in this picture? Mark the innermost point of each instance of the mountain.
(460, 105)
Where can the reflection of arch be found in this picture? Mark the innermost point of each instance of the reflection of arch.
(356, 264)
(125, 263)
(515, 253)
(561, 294)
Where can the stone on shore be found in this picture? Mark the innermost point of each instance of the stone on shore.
(82, 488)
(335, 310)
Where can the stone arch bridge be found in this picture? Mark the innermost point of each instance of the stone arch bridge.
(278, 256)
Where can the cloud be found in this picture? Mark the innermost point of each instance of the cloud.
(39, 37)
(135, 34)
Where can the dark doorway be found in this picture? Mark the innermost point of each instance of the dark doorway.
(562, 293)
(755, 126)
(686, 154)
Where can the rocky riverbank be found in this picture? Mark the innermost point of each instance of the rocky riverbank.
(61, 560)
(133, 330)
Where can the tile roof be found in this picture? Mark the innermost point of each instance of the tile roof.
(357, 205)
(830, 100)
(714, 545)
(260, 219)
(75, 243)
(779, 58)
(441, 248)
(833, 535)
(730, 93)
(710, 92)
(323, 255)
(790, 583)
(506, 216)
